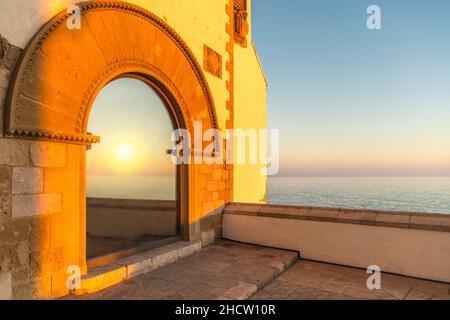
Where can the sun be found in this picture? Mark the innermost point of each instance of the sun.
(125, 153)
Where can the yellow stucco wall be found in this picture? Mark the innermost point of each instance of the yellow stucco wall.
(250, 88)
(199, 22)
(250, 100)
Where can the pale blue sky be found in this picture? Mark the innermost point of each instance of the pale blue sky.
(352, 101)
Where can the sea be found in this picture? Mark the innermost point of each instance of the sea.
(410, 194)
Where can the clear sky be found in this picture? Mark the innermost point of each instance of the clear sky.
(135, 131)
(352, 101)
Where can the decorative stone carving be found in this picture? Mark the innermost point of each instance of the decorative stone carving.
(240, 22)
(4, 47)
(212, 62)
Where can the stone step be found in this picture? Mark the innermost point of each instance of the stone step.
(130, 267)
(246, 289)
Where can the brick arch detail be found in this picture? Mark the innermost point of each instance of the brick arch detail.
(62, 70)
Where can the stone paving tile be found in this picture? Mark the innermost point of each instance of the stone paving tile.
(308, 280)
(227, 270)
(230, 270)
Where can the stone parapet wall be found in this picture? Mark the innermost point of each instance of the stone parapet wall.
(411, 244)
(394, 219)
(130, 219)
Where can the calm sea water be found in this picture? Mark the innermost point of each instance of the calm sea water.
(430, 195)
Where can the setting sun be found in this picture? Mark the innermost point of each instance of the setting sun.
(125, 153)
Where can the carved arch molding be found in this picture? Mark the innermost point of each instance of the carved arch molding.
(62, 70)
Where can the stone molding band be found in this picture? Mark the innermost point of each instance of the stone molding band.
(392, 219)
(82, 139)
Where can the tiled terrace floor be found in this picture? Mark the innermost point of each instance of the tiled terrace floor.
(308, 280)
(230, 270)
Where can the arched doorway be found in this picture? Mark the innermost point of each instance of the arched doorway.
(133, 187)
(56, 83)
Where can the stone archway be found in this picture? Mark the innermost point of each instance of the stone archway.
(59, 75)
(62, 70)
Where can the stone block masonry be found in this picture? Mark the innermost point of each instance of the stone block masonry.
(48, 155)
(14, 152)
(22, 183)
(14, 233)
(5, 190)
(30, 205)
(5, 286)
(31, 192)
(27, 180)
